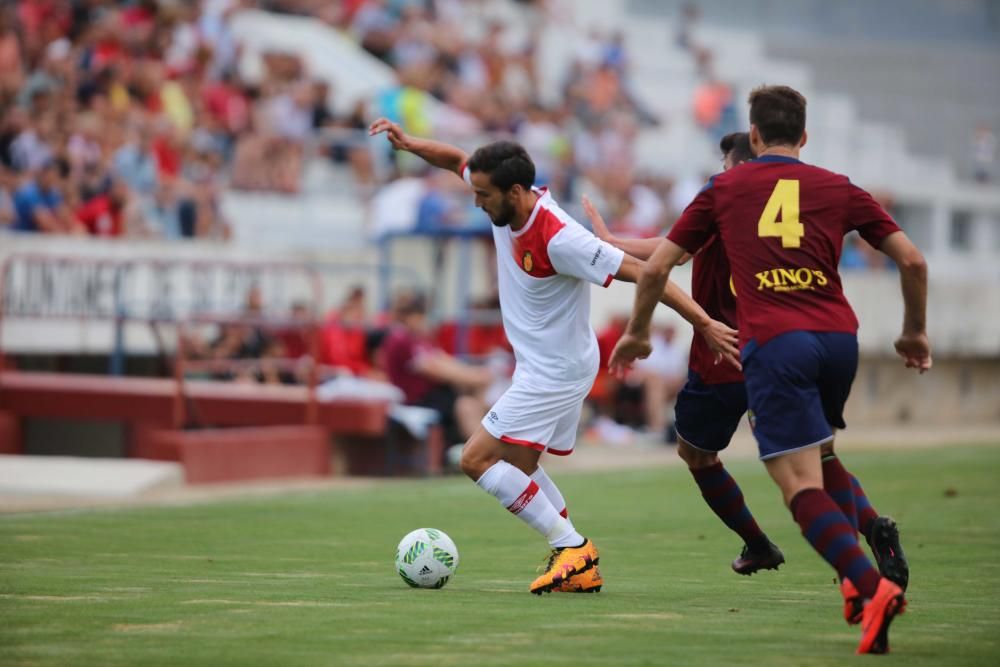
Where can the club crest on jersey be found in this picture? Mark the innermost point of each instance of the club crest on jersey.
(527, 261)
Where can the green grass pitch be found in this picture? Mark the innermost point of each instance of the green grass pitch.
(307, 579)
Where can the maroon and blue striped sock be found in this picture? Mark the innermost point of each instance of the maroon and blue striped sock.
(831, 535)
(866, 513)
(837, 483)
(724, 496)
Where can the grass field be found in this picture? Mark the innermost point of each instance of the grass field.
(308, 580)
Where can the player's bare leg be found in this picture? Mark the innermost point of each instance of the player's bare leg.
(502, 470)
(469, 411)
(880, 532)
(724, 496)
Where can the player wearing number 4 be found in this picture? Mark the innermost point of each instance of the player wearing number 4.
(545, 260)
(713, 402)
(782, 223)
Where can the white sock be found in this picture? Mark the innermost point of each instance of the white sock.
(551, 492)
(520, 495)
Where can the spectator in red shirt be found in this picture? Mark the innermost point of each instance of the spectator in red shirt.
(11, 63)
(227, 104)
(104, 215)
(295, 340)
(167, 150)
(344, 338)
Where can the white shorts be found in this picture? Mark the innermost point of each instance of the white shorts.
(543, 419)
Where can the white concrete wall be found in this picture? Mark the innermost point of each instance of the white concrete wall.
(964, 311)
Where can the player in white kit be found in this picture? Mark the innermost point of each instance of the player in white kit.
(546, 261)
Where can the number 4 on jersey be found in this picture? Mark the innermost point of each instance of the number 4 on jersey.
(784, 202)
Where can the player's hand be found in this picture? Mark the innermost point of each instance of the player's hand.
(724, 341)
(915, 350)
(600, 229)
(628, 348)
(393, 132)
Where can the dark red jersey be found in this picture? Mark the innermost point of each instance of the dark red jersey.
(782, 224)
(711, 288)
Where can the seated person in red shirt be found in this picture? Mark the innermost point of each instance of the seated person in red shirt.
(344, 336)
(430, 377)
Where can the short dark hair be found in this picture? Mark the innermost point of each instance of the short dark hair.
(507, 163)
(413, 303)
(737, 145)
(60, 165)
(779, 112)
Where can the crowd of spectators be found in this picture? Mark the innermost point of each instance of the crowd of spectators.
(405, 349)
(583, 132)
(106, 123)
(399, 347)
(129, 117)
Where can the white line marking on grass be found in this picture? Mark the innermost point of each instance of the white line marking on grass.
(288, 575)
(168, 556)
(208, 556)
(658, 615)
(147, 627)
(494, 638)
(503, 590)
(61, 598)
(286, 603)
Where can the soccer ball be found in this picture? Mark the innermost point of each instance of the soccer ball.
(426, 558)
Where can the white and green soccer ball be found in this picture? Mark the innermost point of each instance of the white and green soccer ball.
(426, 558)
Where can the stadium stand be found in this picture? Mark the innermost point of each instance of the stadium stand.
(268, 162)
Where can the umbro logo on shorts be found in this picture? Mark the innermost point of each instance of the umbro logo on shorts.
(493, 417)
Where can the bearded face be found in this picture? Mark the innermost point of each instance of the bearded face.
(504, 214)
(496, 203)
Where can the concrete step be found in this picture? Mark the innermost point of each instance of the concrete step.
(86, 477)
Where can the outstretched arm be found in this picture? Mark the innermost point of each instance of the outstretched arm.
(639, 248)
(634, 344)
(435, 153)
(442, 367)
(912, 343)
(722, 339)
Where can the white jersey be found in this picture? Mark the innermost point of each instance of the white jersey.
(544, 271)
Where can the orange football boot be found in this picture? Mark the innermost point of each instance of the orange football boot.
(588, 582)
(563, 564)
(878, 614)
(854, 604)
